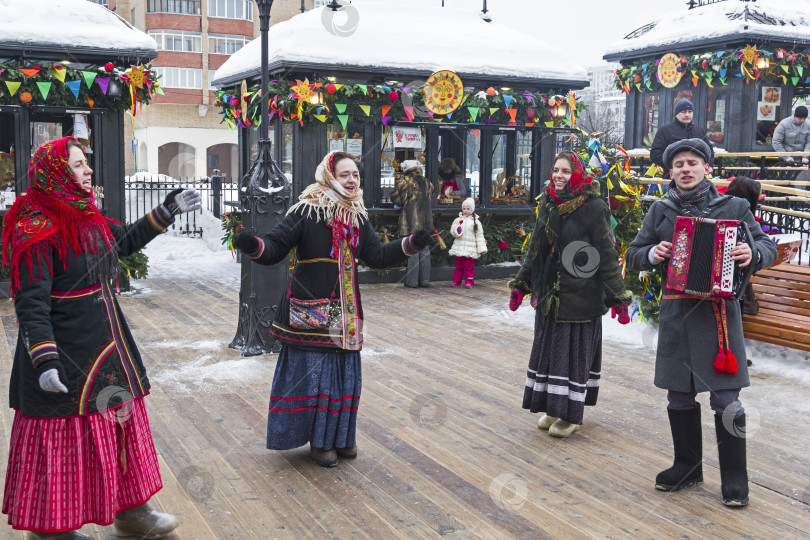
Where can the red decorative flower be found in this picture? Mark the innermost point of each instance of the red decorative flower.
(234, 102)
(460, 221)
(109, 67)
(331, 88)
(502, 244)
(393, 96)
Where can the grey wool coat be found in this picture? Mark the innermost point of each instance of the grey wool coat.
(687, 336)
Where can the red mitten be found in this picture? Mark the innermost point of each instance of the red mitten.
(620, 310)
(515, 299)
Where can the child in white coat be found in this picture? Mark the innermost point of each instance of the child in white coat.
(469, 244)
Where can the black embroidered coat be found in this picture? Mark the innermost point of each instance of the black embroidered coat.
(63, 312)
(316, 273)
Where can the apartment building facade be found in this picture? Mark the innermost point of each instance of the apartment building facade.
(180, 133)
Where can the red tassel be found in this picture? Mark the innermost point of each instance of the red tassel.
(731, 363)
(720, 362)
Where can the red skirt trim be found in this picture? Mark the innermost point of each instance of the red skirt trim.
(65, 472)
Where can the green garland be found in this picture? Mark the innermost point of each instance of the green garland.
(345, 103)
(136, 265)
(716, 68)
(44, 87)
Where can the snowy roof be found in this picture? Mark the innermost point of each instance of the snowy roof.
(393, 38)
(732, 21)
(76, 30)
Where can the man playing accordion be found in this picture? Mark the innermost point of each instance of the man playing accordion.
(700, 340)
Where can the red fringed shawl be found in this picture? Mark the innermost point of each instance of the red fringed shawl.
(55, 208)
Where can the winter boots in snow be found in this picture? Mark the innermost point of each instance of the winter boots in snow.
(546, 421)
(144, 522)
(69, 535)
(731, 451)
(687, 470)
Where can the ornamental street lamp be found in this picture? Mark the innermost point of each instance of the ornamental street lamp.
(265, 197)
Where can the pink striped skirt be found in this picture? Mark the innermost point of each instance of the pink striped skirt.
(65, 472)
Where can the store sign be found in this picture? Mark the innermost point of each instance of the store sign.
(407, 137)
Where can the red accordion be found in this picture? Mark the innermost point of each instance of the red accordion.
(701, 263)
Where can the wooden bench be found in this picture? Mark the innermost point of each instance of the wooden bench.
(783, 294)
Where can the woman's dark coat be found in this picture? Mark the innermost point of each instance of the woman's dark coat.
(316, 273)
(588, 273)
(687, 337)
(81, 316)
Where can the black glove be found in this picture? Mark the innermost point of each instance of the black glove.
(170, 203)
(421, 239)
(51, 376)
(246, 243)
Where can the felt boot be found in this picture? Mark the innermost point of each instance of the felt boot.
(69, 535)
(144, 522)
(546, 421)
(731, 451)
(687, 469)
(562, 428)
(347, 453)
(324, 458)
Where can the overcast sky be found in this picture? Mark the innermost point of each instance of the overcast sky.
(583, 28)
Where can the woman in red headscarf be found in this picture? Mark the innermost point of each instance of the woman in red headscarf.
(572, 274)
(81, 449)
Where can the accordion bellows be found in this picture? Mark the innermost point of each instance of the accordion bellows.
(701, 263)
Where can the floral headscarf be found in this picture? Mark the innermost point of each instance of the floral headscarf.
(58, 210)
(576, 184)
(342, 211)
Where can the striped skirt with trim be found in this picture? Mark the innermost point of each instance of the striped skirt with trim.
(314, 399)
(565, 367)
(65, 472)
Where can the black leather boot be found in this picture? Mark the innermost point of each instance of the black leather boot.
(687, 469)
(733, 467)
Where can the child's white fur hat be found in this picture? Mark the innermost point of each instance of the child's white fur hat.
(409, 164)
(469, 201)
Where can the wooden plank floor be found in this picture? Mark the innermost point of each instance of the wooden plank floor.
(445, 449)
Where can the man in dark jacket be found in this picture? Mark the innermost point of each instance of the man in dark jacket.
(700, 340)
(679, 129)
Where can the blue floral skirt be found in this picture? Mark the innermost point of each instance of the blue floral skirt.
(314, 399)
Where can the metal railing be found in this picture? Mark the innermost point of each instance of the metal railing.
(143, 192)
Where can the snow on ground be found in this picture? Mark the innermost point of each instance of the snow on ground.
(204, 259)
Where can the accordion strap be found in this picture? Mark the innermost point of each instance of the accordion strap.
(725, 361)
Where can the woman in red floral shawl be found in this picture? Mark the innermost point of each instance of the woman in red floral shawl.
(81, 449)
(573, 276)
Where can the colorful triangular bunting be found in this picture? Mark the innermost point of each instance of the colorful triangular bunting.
(44, 89)
(13, 86)
(89, 77)
(74, 86)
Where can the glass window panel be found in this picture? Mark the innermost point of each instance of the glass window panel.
(500, 172)
(767, 112)
(287, 150)
(240, 9)
(231, 8)
(387, 165)
(451, 181)
(650, 118)
(473, 163)
(220, 8)
(716, 114)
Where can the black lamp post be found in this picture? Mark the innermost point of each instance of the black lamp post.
(334, 5)
(303, 8)
(265, 198)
